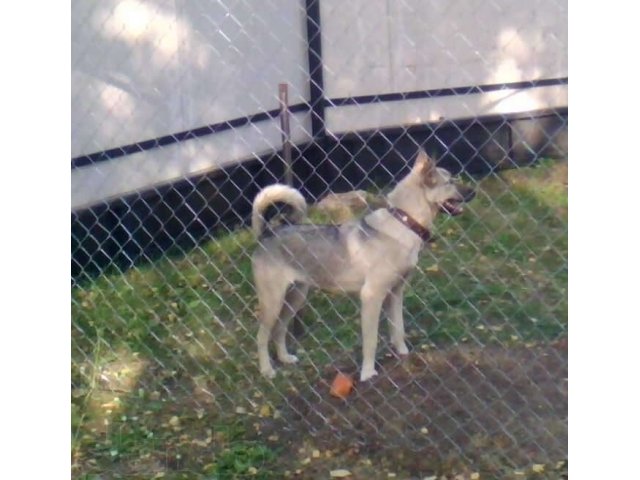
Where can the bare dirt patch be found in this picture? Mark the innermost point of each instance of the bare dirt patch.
(493, 410)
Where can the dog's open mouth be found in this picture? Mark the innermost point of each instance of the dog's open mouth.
(452, 207)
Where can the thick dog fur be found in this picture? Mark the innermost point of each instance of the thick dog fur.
(372, 257)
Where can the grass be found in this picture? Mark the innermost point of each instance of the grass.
(163, 356)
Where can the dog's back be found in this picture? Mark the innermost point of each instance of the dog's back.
(323, 256)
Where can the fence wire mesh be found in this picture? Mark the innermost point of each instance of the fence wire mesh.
(176, 128)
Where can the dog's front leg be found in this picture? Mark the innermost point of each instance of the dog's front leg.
(371, 301)
(393, 307)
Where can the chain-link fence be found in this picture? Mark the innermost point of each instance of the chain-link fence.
(183, 112)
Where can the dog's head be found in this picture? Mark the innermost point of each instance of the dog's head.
(439, 187)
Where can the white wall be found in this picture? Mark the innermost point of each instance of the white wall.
(142, 69)
(114, 178)
(386, 46)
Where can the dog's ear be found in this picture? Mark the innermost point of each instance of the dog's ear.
(424, 167)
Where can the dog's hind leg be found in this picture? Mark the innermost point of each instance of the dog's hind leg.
(393, 309)
(271, 295)
(293, 301)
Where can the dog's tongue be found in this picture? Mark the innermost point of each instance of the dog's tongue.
(452, 208)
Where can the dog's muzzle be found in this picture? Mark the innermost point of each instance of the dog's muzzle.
(453, 206)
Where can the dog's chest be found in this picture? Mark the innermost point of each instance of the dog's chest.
(382, 254)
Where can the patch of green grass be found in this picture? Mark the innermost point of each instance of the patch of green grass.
(243, 460)
(155, 334)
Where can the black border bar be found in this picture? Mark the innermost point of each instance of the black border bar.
(316, 106)
(105, 155)
(443, 92)
(316, 79)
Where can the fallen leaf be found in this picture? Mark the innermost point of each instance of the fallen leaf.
(265, 411)
(475, 476)
(433, 268)
(339, 473)
(537, 468)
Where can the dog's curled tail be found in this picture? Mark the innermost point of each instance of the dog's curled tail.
(272, 194)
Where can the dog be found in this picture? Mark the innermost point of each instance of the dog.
(372, 257)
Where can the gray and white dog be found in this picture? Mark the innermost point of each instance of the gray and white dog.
(372, 256)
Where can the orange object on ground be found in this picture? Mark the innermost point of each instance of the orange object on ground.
(341, 386)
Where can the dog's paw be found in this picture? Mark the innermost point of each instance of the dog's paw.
(288, 358)
(402, 349)
(269, 373)
(367, 374)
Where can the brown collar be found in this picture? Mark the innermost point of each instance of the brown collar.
(411, 223)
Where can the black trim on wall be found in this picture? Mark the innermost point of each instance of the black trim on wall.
(443, 92)
(316, 106)
(316, 80)
(112, 153)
